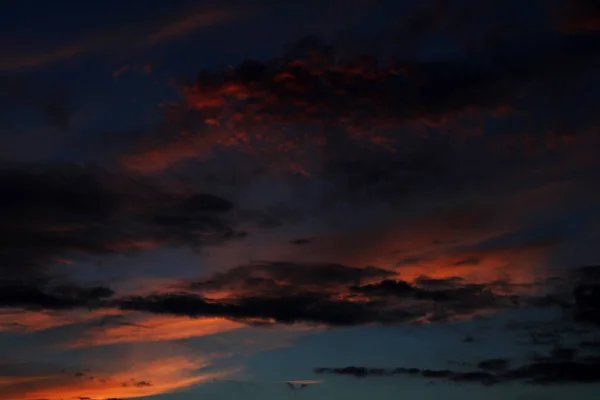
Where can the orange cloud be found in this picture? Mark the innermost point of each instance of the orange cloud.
(15, 320)
(152, 328)
(517, 264)
(134, 379)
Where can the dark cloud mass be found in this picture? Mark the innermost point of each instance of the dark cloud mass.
(56, 209)
(290, 293)
(53, 214)
(553, 370)
(331, 294)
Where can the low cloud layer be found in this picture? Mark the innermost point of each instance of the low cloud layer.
(326, 294)
(554, 370)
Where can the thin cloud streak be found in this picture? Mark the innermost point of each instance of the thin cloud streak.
(135, 35)
(139, 379)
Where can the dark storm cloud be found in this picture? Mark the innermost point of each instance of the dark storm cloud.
(51, 213)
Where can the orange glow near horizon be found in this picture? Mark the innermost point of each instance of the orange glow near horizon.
(138, 380)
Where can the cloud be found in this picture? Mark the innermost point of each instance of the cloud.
(494, 364)
(328, 294)
(264, 292)
(312, 308)
(136, 34)
(140, 327)
(588, 301)
(16, 321)
(300, 241)
(280, 277)
(264, 107)
(550, 372)
(301, 384)
(57, 297)
(192, 21)
(52, 214)
(51, 101)
(281, 293)
(128, 380)
(580, 15)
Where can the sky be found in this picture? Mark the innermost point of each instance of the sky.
(304, 199)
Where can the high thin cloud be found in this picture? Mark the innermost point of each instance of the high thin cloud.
(138, 34)
(318, 301)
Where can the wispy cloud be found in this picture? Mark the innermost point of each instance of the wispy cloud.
(136, 379)
(137, 34)
(147, 328)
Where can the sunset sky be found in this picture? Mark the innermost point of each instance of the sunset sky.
(333, 199)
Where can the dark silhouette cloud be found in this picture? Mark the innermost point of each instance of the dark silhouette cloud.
(51, 102)
(357, 104)
(588, 303)
(540, 373)
(590, 344)
(329, 294)
(558, 367)
(50, 213)
(51, 297)
(289, 276)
